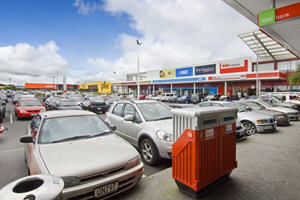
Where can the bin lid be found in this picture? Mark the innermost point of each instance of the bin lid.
(39, 187)
(197, 112)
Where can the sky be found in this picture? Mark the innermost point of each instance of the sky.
(89, 40)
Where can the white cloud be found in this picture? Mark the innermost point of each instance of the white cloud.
(24, 63)
(86, 7)
(176, 32)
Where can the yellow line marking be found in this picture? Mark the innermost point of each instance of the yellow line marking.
(12, 150)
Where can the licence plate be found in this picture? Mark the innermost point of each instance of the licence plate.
(98, 108)
(107, 189)
(268, 127)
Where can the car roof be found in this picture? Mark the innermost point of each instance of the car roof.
(221, 102)
(65, 113)
(27, 99)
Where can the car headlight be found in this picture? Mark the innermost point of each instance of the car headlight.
(165, 136)
(133, 162)
(22, 111)
(280, 117)
(70, 181)
(263, 121)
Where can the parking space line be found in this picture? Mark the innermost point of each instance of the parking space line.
(10, 115)
(11, 150)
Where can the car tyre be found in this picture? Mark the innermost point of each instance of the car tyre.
(250, 128)
(149, 152)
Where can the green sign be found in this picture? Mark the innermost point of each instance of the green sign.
(266, 17)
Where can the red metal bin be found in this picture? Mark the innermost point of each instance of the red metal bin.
(204, 149)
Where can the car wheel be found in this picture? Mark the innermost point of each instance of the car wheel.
(250, 128)
(149, 152)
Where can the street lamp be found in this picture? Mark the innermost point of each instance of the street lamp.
(138, 69)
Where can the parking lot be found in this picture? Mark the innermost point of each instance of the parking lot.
(268, 164)
(12, 155)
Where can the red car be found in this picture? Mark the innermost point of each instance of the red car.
(26, 108)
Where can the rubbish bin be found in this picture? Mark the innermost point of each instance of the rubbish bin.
(204, 147)
(36, 187)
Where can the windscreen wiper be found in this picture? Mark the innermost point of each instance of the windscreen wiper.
(71, 138)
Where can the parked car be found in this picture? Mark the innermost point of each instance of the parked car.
(251, 120)
(212, 97)
(145, 124)
(93, 161)
(95, 105)
(142, 97)
(4, 97)
(27, 108)
(17, 97)
(184, 99)
(173, 99)
(281, 118)
(51, 102)
(197, 97)
(79, 100)
(277, 101)
(292, 113)
(165, 96)
(2, 110)
(67, 104)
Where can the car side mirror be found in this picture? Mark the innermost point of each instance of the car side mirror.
(128, 118)
(26, 139)
(113, 128)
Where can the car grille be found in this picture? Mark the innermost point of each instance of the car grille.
(104, 174)
(123, 185)
(33, 110)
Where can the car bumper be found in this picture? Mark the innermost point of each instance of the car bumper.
(265, 127)
(126, 180)
(98, 109)
(241, 134)
(294, 117)
(164, 148)
(27, 114)
(283, 122)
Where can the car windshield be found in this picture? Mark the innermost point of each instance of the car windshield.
(266, 104)
(30, 103)
(155, 111)
(61, 129)
(235, 105)
(68, 103)
(255, 106)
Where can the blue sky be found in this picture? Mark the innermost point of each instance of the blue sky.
(78, 36)
(89, 40)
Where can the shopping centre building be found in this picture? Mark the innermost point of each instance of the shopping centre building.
(276, 45)
(227, 77)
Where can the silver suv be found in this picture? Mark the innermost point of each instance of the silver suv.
(145, 124)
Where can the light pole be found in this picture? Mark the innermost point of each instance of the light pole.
(138, 69)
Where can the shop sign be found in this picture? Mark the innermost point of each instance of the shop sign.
(288, 12)
(166, 73)
(182, 72)
(233, 66)
(266, 17)
(205, 69)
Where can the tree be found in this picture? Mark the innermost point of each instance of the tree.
(294, 79)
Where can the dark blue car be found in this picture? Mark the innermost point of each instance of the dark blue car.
(185, 99)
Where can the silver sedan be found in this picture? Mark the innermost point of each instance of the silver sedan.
(81, 149)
